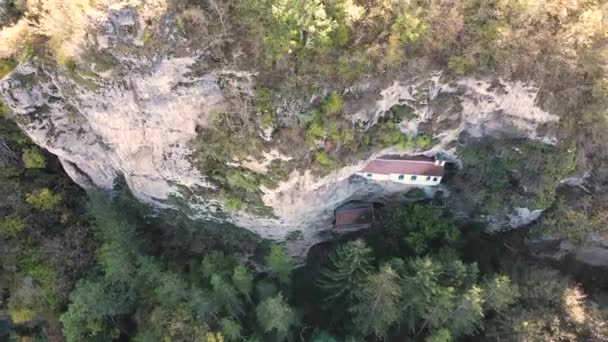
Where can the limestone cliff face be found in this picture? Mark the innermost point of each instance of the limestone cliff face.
(138, 123)
(137, 126)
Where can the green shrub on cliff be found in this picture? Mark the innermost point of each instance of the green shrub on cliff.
(6, 66)
(44, 199)
(11, 226)
(33, 159)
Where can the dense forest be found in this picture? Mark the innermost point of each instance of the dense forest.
(100, 265)
(106, 267)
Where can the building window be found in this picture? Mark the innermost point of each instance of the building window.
(434, 179)
(428, 178)
(413, 178)
(401, 177)
(369, 175)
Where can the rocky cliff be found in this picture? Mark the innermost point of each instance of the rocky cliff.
(137, 115)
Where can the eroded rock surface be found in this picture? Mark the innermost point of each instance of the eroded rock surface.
(138, 123)
(137, 126)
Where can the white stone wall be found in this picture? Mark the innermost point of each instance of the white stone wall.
(406, 179)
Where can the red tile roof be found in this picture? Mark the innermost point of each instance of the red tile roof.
(411, 166)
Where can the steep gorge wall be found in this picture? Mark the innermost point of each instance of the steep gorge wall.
(138, 124)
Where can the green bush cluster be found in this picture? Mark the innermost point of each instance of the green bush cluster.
(332, 105)
(245, 181)
(325, 121)
(389, 134)
(238, 188)
(6, 66)
(44, 199)
(33, 159)
(231, 203)
(420, 227)
(407, 28)
(3, 109)
(46, 275)
(575, 220)
(326, 126)
(11, 226)
(241, 191)
(287, 26)
(324, 160)
(495, 173)
(262, 103)
(350, 66)
(458, 65)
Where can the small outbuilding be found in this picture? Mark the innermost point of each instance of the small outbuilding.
(416, 170)
(356, 215)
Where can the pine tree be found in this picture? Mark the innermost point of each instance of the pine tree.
(171, 289)
(500, 293)
(419, 227)
(242, 280)
(225, 296)
(94, 311)
(437, 300)
(441, 335)
(215, 262)
(119, 250)
(349, 266)
(467, 317)
(323, 337)
(422, 285)
(443, 296)
(275, 315)
(278, 262)
(378, 304)
(231, 329)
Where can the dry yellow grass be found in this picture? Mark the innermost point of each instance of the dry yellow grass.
(12, 38)
(66, 23)
(573, 304)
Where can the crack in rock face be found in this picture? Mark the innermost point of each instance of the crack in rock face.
(139, 125)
